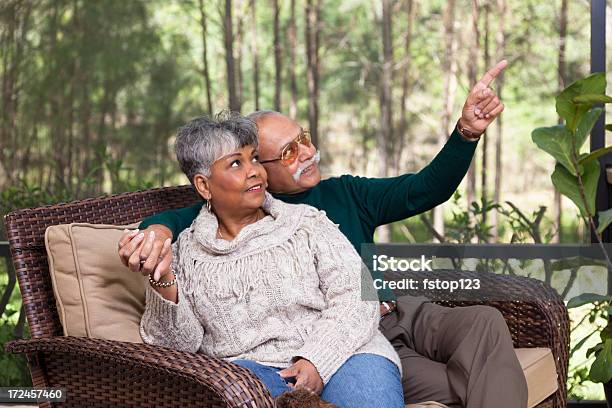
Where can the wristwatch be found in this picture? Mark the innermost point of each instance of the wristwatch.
(466, 133)
(390, 305)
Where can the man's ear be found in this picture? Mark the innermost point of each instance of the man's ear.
(202, 186)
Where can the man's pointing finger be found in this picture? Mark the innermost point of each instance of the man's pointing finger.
(493, 72)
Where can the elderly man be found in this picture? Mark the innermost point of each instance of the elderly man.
(456, 356)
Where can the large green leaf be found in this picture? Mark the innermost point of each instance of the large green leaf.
(556, 141)
(601, 370)
(586, 298)
(606, 333)
(586, 159)
(567, 184)
(591, 99)
(595, 349)
(609, 127)
(594, 84)
(583, 130)
(605, 218)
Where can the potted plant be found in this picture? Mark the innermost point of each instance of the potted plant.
(576, 176)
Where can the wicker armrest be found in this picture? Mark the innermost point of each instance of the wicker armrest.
(232, 385)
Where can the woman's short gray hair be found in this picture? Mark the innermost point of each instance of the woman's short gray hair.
(204, 140)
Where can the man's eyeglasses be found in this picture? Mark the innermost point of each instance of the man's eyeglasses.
(290, 152)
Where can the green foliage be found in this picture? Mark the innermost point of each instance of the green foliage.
(466, 226)
(575, 382)
(586, 125)
(569, 186)
(556, 141)
(586, 298)
(604, 219)
(13, 368)
(592, 99)
(572, 111)
(601, 370)
(576, 176)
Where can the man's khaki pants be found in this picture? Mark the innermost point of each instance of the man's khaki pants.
(456, 356)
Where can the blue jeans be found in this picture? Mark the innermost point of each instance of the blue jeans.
(363, 381)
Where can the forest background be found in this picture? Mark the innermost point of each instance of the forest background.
(92, 93)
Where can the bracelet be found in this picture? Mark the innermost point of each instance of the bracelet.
(467, 134)
(157, 284)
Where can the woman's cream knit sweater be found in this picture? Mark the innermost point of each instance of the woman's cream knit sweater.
(288, 286)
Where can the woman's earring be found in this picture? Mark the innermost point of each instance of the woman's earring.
(208, 206)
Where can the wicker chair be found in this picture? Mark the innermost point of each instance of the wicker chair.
(103, 373)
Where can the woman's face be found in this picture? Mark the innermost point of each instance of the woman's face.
(237, 182)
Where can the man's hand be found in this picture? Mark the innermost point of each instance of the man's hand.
(148, 251)
(306, 376)
(482, 105)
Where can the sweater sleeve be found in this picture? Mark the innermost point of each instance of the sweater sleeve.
(348, 322)
(386, 200)
(169, 324)
(176, 220)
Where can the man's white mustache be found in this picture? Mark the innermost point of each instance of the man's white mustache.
(315, 159)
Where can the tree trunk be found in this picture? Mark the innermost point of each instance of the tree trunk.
(472, 72)
(292, 54)
(228, 39)
(255, 52)
(278, 62)
(501, 51)
(485, 139)
(238, 51)
(205, 70)
(313, 13)
(449, 67)
(12, 140)
(385, 135)
(563, 82)
(406, 66)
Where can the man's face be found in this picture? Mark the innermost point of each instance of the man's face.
(275, 132)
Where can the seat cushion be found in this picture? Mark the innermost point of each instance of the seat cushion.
(538, 364)
(540, 371)
(96, 295)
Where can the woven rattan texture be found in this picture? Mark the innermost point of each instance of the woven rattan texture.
(104, 373)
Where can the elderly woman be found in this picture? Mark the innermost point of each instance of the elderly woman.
(270, 286)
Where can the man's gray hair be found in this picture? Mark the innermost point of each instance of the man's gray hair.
(261, 114)
(204, 140)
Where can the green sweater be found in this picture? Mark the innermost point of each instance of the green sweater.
(360, 204)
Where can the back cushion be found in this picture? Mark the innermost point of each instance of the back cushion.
(96, 295)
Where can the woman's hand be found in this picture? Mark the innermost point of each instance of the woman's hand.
(306, 375)
(482, 105)
(147, 251)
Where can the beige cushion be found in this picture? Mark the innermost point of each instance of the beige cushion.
(96, 295)
(539, 367)
(538, 364)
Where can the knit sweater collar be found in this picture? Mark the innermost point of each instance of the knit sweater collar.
(278, 225)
